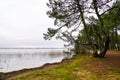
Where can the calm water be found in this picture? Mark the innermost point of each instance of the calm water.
(17, 59)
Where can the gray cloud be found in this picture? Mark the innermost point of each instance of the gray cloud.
(23, 22)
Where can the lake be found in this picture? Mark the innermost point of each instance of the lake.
(23, 58)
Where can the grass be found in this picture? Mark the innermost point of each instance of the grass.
(79, 68)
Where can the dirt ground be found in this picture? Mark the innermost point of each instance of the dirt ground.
(112, 59)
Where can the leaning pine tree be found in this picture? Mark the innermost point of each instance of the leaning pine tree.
(70, 16)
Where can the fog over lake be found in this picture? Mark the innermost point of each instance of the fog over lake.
(17, 59)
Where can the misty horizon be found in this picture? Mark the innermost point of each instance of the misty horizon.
(46, 44)
(23, 22)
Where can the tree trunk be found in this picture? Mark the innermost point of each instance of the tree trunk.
(103, 52)
(117, 43)
(106, 43)
(77, 48)
(95, 52)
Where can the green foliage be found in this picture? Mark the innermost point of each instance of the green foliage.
(92, 32)
(112, 22)
(65, 15)
(51, 32)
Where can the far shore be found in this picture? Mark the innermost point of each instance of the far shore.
(29, 48)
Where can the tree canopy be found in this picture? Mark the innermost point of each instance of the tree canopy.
(91, 24)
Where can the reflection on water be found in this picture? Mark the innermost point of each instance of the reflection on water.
(17, 59)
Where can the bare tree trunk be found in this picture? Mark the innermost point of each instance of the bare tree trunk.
(95, 52)
(116, 34)
(103, 52)
(106, 43)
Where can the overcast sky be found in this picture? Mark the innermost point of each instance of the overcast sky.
(23, 22)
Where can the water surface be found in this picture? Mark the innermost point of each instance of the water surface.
(17, 59)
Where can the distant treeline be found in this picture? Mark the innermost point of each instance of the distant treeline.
(31, 48)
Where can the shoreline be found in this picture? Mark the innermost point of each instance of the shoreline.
(14, 73)
(76, 67)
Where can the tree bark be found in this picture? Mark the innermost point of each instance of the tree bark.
(103, 52)
(106, 36)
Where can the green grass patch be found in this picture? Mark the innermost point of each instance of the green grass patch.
(72, 69)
